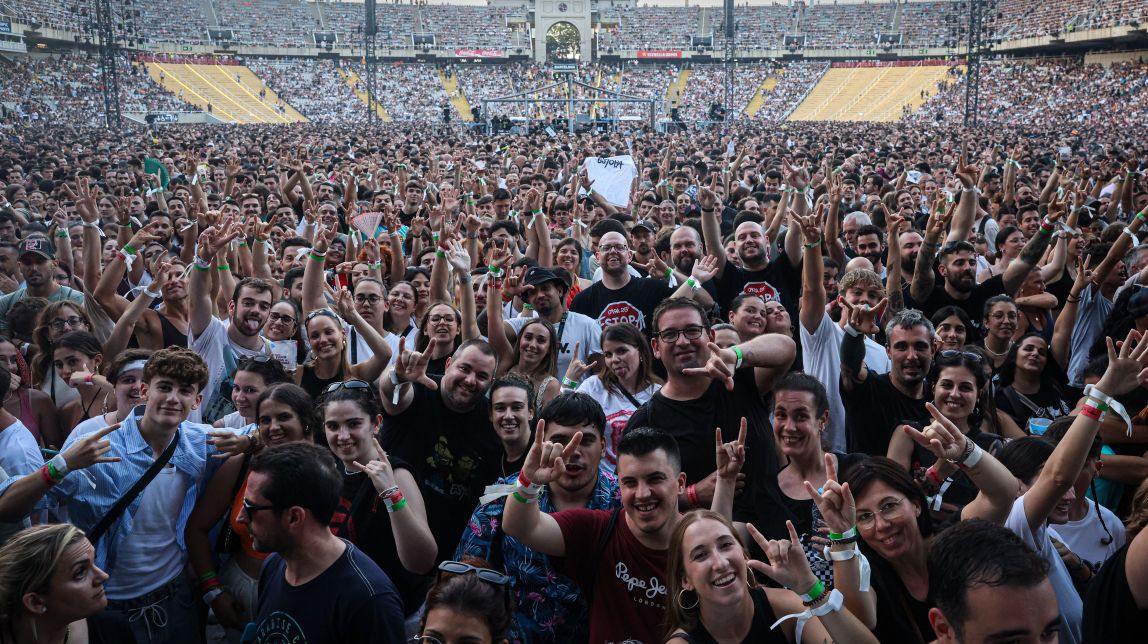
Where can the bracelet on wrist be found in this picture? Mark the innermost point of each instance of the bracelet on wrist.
(815, 593)
(223, 267)
(573, 384)
(319, 257)
(740, 357)
(692, 496)
(128, 249)
(851, 533)
(812, 245)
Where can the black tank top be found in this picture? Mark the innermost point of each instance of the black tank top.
(759, 631)
(172, 336)
(315, 385)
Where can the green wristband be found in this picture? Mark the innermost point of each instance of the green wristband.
(129, 250)
(814, 593)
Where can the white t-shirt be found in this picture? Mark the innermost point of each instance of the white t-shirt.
(1071, 608)
(221, 356)
(618, 410)
(149, 556)
(579, 328)
(821, 357)
(19, 456)
(1085, 537)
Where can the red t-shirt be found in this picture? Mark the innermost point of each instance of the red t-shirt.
(629, 589)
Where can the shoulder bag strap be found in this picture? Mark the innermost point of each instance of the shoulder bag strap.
(599, 550)
(126, 499)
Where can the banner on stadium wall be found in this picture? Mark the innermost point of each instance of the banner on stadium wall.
(5, 26)
(612, 177)
(659, 53)
(479, 53)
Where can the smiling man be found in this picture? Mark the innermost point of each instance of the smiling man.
(37, 258)
(441, 426)
(142, 548)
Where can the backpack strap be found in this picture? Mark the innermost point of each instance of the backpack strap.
(136, 489)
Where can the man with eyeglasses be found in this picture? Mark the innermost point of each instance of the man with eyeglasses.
(708, 387)
(621, 297)
(37, 258)
(314, 587)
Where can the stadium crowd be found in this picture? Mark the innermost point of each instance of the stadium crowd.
(306, 383)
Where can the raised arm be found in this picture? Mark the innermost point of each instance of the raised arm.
(198, 289)
(545, 463)
(711, 227)
(893, 262)
(20, 499)
(923, 278)
(495, 333)
(1030, 255)
(967, 209)
(1063, 468)
(313, 274)
(414, 542)
(812, 272)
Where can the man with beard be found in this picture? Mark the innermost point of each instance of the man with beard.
(957, 261)
(870, 244)
(223, 345)
(620, 297)
(544, 290)
(37, 257)
(770, 280)
(876, 403)
(708, 387)
(315, 587)
(556, 610)
(909, 246)
(10, 276)
(441, 426)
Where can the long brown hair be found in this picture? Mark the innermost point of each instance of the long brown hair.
(27, 562)
(629, 335)
(549, 364)
(44, 347)
(677, 617)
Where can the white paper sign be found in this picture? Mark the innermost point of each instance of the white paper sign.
(612, 177)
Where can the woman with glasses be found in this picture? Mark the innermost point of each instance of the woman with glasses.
(54, 321)
(285, 329)
(1032, 385)
(283, 413)
(444, 323)
(468, 604)
(1001, 317)
(957, 378)
(77, 357)
(896, 528)
(33, 407)
(370, 301)
(381, 507)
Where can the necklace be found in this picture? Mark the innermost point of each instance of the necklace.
(1002, 353)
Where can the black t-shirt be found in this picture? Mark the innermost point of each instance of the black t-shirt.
(350, 601)
(873, 410)
(452, 455)
(1110, 611)
(1048, 402)
(362, 519)
(779, 280)
(974, 305)
(692, 423)
(633, 303)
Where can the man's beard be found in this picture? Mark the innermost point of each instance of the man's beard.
(909, 263)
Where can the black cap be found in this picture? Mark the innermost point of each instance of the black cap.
(538, 275)
(39, 246)
(647, 225)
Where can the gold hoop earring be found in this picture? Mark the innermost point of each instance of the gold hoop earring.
(683, 607)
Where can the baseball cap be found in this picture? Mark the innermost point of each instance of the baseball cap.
(647, 225)
(538, 275)
(38, 246)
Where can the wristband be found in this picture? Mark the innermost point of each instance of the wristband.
(522, 499)
(150, 293)
(570, 383)
(223, 267)
(1115, 406)
(669, 273)
(88, 379)
(201, 269)
(527, 307)
(833, 604)
(396, 506)
(319, 257)
(692, 496)
(692, 283)
(851, 533)
(59, 466)
(933, 476)
(129, 250)
(62, 232)
(242, 242)
(1092, 412)
(210, 595)
(208, 584)
(439, 253)
(374, 265)
(47, 476)
(740, 357)
(814, 593)
(812, 245)
(91, 224)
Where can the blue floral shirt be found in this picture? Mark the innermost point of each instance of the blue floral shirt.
(550, 605)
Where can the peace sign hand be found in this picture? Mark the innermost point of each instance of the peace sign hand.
(91, 449)
(378, 469)
(787, 564)
(941, 437)
(730, 456)
(411, 366)
(546, 461)
(834, 500)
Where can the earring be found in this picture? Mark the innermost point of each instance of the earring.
(683, 607)
(750, 580)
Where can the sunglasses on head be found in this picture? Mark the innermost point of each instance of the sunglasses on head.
(354, 383)
(485, 574)
(968, 355)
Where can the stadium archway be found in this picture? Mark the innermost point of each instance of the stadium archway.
(563, 42)
(575, 13)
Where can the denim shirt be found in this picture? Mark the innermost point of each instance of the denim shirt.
(550, 607)
(90, 493)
